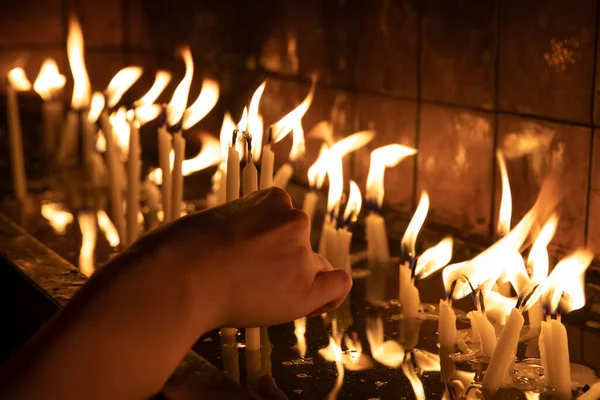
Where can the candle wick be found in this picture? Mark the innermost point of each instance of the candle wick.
(234, 137)
(270, 135)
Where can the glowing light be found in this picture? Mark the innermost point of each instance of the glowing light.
(89, 231)
(145, 114)
(382, 158)
(434, 258)
(207, 99)
(281, 128)
(120, 83)
(354, 204)
(298, 143)
(121, 130)
(108, 228)
(537, 261)
(178, 103)
(225, 136)
(57, 217)
(505, 213)
(322, 131)
(96, 107)
(389, 353)
(416, 223)
(318, 171)
(300, 331)
(161, 81)
(415, 382)
(49, 81)
(255, 122)
(81, 85)
(18, 80)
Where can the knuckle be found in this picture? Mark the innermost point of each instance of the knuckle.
(279, 197)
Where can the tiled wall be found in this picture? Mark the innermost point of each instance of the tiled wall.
(456, 78)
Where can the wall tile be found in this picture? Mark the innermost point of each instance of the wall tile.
(454, 161)
(458, 52)
(594, 211)
(394, 122)
(101, 22)
(31, 22)
(546, 58)
(533, 149)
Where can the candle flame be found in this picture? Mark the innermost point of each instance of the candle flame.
(89, 230)
(178, 103)
(120, 83)
(96, 107)
(415, 382)
(505, 213)
(121, 130)
(300, 331)
(144, 114)
(382, 158)
(354, 204)
(298, 142)
(18, 80)
(389, 353)
(161, 81)
(101, 142)
(57, 217)
(207, 99)
(81, 85)
(322, 131)
(537, 261)
(281, 128)
(353, 358)
(416, 223)
(335, 172)
(351, 143)
(243, 124)
(434, 258)
(564, 287)
(225, 136)
(255, 122)
(318, 171)
(49, 80)
(108, 228)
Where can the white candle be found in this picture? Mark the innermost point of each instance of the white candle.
(561, 367)
(115, 176)
(177, 175)
(151, 195)
(134, 164)
(267, 165)
(447, 325)
(52, 118)
(283, 176)
(250, 178)
(88, 138)
(487, 335)
(328, 239)
(504, 354)
(343, 241)
(253, 370)
(266, 349)
(164, 161)
(378, 251)
(233, 175)
(68, 141)
(309, 206)
(229, 356)
(98, 178)
(409, 294)
(592, 394)
(473, 318)
(16, 145)
(536, 314)
(546, 353)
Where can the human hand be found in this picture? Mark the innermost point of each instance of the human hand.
(249, 263)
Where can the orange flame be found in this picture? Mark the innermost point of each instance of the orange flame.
(322, 131)
(434, 258)
(81, 85)
(300, 331)
(108, 228)
(389, 353)
(416, 223)
(178, 103)
(354, 203)
(57, 217)
(18, 80)
(49, 81)
(161, 81)
(318, 171)
(335, 172)
(415, 382)
(121, 130)
(207, 99)
(537, 261)
(120, 83)
(382, 158)
(255, 122)
(89, 230)
(281, 128)
(298, 143)
(96, 107)
(144, 114)
(505, 213)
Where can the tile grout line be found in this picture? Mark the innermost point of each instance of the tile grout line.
(418, 112)
(592, 140)
(495, 110)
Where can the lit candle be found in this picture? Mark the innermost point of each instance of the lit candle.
(328, 243)
(17, 81)
(316, 177)
(344, 236)
(134, 164)
(177, 177)
(504, 354)
(267, 163)
(165, 145)
(409, 294)
(561, 367)
(48, 85)
(286, 171)
(229, 355)
(487, 335)
(447, 324)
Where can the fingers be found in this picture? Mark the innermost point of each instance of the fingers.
(329, 290)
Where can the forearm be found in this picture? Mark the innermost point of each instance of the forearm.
(120, 337)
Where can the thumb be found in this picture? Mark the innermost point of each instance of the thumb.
(329, 289)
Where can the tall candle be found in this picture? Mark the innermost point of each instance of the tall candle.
(487, 335)
(134, 164)
(561, 367)
(409, 294)
(378, 251)
(177, 176)
(546, 353)
(504, 354)
(343, 240)
(16, 144)
(536, 315)
(151, 195)
(164, 161)
(229, 355)
(267, 165)
(68, 141)
(253, 369)
(283, 176)
(447, 325)
(472, 315)
(52, 119)
(115, 176)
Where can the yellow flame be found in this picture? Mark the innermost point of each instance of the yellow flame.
(49, 81)
(382, 158)
(416, 223)
(161, 81)
(354, 203)
(121, 129)
(96, 107)
(281, 128)
(564, 287)
(178, 103)
(18, 80)
(255, 122)
(389, 353)
(300, 331)
(351, 143)
(108, 228)
(323, 131)
(243, 124)
(227, 128)
(101, 142)
(505, 213)
(335, 172)
(120, 83)
(318, 171)
(427, 361)
(57, 217)
(207, 99)
(145, 114)
(537, 261)
(89, 231)
(353, 358)
(415, 382)
(81, 85)
(298, 143)
(434, 258)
